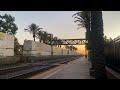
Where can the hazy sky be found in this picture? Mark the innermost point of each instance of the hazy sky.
(60, 23)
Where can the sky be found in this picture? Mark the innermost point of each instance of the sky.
(61, 24)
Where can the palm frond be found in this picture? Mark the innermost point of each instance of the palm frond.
(78, 18)
(83, 18)
(25, 29)
(76, 14)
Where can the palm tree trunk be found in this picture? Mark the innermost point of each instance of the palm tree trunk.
(90, 52)
(88, 37)
(98, 44)
(34, 38)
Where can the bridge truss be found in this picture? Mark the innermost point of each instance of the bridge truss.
(69, 42)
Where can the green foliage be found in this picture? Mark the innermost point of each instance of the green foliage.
(107, 41)
(33, 28)
(83, 18)
(66, 46)
(39, 35)
(16, 46)
(97, 33)
(84, 21)
(43, 36)
(7, 24)
(71, 47)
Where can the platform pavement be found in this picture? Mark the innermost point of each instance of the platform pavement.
(79, 69)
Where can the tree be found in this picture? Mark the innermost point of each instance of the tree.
(16, 46)
(59, 41)
(98, 44)
(75, 49)
(33, 28)
(71, 47)
(39, 36)
(43, 37)
(107, 41)
(84, 19)
(49, 38)
(7, 24)
(66, 46)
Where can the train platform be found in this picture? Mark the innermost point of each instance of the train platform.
(77, 69)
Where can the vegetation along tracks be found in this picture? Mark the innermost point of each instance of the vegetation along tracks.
(31, 69)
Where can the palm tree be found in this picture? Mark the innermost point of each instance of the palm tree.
(84, 19)
(55, 38)
(33, 28)
(39, 35)
(67, 47)
(49, 38)
(84, 22)
(72, 48)
(43, 37)
(16, 46)
(98, 44)
(75, 49)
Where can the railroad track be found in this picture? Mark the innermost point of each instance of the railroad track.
(31, 69)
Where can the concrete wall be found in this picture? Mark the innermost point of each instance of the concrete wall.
(32, 48)
(6, 44)
(6, 52)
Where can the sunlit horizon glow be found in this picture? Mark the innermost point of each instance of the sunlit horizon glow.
(61, 24)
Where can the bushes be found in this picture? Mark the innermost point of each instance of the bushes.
(9, 60)
(43, 58)
(12, 60)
